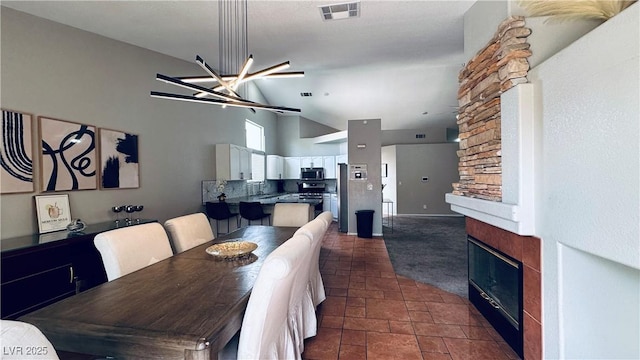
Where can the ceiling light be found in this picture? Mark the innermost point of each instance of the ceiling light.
(237, 103)
(227, 88)
(340, 11)
(208, 79)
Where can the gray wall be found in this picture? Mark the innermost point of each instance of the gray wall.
(431, 135)
(481, 22)
(437, 162)
(292, 144)
(310, 128)
(365, 194)
(61, 72)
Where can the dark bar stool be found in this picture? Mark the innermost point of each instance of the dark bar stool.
(253, 211)
(220, 211)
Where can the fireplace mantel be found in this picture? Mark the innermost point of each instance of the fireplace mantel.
(504, 216)
(515, 213)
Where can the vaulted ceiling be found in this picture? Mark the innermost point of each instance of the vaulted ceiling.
(398, 61)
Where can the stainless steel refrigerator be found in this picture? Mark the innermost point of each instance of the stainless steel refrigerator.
(343, 198)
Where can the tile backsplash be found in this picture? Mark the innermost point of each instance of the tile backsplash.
(240, 188)
(233, 189)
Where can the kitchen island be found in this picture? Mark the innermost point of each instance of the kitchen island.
(272, 199)
(268, 201)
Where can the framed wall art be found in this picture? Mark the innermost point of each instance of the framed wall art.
(53, 212)
(68, 157)
(16, 153)
(118, 160)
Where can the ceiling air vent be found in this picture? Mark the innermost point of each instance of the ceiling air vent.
(340, 11)
(306, 94)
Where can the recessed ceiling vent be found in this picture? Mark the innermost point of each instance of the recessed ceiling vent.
(306, 94)
(340, 11)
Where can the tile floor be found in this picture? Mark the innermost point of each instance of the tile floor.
(373, 313)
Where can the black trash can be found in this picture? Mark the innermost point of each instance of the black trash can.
(364, 221)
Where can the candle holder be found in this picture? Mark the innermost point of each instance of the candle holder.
(117, 209)
(129, 209)
(138, 208)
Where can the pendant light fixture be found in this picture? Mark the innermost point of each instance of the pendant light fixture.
(228, 89)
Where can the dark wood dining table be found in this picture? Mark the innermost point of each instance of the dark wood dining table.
(185, 307)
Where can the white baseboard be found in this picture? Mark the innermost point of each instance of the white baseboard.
(430, 215)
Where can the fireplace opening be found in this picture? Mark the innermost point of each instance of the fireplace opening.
(495, 289)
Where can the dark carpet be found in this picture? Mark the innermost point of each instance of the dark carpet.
(432, 250)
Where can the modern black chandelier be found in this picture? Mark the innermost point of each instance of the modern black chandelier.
(226, 90)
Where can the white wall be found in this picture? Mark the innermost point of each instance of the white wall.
(62, 72)
(388, 155)
(587, 209)
(600, 307)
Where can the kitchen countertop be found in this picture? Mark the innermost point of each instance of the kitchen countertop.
(272, 199)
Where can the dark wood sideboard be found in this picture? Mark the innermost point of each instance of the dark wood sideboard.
(40, 269)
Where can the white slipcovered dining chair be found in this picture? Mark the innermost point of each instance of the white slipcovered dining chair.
(280, 311)
(315, 230)
(291, 214)
(17, 337)
(189, 231)
(327, 217)
(131, 248)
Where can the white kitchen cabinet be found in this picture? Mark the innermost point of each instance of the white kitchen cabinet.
(257, 166)
(275, 167)
(326, 202)
(342, 159)
(233, 162)
(245, 163)
(329, 164)
(311, 161)
(292, 167)
(334, 206)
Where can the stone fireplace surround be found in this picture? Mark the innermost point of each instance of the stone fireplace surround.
(508, 226)
(497, 162)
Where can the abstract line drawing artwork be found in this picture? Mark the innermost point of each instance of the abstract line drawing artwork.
(119, 160)
(68, 155)
(16, 153)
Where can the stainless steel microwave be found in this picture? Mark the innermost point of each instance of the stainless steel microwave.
(309, 174)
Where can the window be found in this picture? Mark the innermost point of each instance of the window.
(255, 141)
(255, 136)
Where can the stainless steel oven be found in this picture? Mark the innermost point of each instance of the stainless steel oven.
(311, 174)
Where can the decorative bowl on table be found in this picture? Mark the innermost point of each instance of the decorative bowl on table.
(231, 250)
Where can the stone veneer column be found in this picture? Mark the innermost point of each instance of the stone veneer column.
(498, 67)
